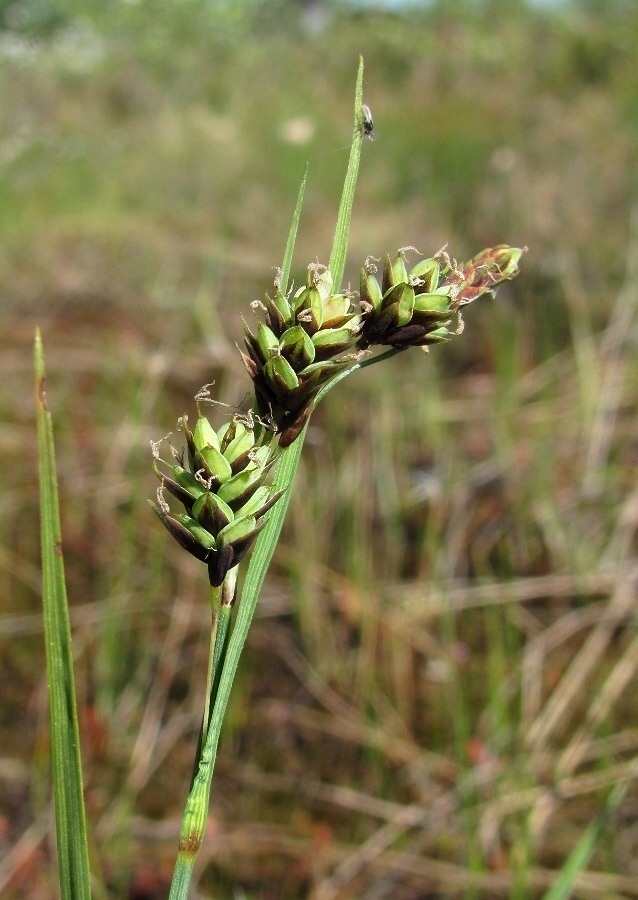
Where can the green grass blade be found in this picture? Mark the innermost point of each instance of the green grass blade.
(292, 234)
(578, 859)
(337, 262)
(70, 821)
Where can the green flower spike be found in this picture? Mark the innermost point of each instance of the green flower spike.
(222, 490)
(415, 308)
(299, 349)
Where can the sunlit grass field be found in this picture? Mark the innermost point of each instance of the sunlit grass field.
(439, 690)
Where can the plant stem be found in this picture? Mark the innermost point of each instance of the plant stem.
(215, 602)
(196, 810)
(221, 641)
(354, 368)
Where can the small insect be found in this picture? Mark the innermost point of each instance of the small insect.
(367, 123)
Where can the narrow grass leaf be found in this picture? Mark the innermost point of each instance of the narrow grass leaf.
(337, 262)
(578, 859)
(292, 234)
(70, 821)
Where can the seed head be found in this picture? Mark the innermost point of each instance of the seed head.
(416, 307)
(223, 491)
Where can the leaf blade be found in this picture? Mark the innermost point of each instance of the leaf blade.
(337, 262)
(292, 234)
(70, 818)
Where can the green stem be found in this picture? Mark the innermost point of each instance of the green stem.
(354, 368)
(393, 351)
(221, 642)
(215, 602)
(196, 810)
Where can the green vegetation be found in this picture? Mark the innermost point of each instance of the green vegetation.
(437, 691)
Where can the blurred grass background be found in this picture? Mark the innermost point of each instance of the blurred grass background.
(439, 691)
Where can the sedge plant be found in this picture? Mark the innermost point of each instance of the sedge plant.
(228, 489)
(304, 342)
